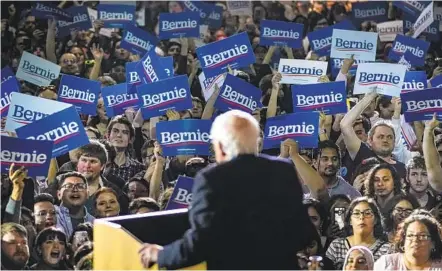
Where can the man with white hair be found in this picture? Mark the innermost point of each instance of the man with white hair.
(246, 212)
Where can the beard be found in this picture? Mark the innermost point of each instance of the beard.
(383, 152)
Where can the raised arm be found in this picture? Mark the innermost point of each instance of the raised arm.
(273, 102)
(351, 140)
(17, 177)
(50, 42)
(157, 176)
(431, 156)
(209, 109)
(98, 57)
(269, 55)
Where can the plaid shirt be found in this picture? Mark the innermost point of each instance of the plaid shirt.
(127, 170)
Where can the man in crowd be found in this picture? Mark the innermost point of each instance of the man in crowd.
(15, 247)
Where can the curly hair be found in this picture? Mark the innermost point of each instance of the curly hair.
(433, 227)
(369, 182)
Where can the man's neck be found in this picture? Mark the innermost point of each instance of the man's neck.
(382, 201)
(77, 212)
(330, 181)
(422, 197)
(120, 158)
(387, 159)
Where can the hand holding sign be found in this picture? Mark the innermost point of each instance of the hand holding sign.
(433, 123)
(346, 65)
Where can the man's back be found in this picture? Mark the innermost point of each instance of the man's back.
(247, 214)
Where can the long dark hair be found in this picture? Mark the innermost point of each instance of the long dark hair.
(369, 182)
(389, 207)
(378, 231)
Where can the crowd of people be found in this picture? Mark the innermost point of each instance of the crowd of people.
(376, 202)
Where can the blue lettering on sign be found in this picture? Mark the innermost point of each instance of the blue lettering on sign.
(366, 79)
(346, 45)
(33, 70)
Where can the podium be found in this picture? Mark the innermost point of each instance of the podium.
(118, 239)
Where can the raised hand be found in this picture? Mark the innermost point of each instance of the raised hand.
(97, 52)
(433, 123)
(276, 78)
(172, 115)
(346, 65)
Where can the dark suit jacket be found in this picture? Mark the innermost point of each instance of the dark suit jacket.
(245, 214)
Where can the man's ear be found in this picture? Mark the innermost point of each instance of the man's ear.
(59, 195)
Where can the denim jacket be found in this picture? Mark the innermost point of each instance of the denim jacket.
(64, 222)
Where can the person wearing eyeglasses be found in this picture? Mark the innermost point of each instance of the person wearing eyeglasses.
(419, 245)
(363, 226)
(72, 193)
(44, 212)
(396, 211)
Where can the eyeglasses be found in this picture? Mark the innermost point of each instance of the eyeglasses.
(419, 237)
(366, 213)
(45, 213)
(72, 186)
(403, 211)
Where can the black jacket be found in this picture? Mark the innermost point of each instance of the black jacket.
(245, 214)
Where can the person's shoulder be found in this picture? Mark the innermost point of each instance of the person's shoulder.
(338, 242)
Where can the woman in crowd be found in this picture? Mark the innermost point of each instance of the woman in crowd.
(418, 244)
(317, 215)
(51, 248)
(358, 258)
(364, 227)
(396, 210)
(106, 203)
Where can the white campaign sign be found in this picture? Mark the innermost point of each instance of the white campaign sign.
(37, 70)
(384, 78)
(240, 8)
(297, 71)
(208, 86)
(387, 31)
(346, 43)
(424, 20)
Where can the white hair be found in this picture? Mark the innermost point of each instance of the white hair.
(224, 132)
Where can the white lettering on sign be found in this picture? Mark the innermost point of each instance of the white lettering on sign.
(152, 100)
(126, 16)
(177, 25)
(414, 106)
(132, 39)
(113, 100)
(331, 98)
(274, 33)
(363, 13)
(58, 134)
(322, 43)
(183, 196)
(77, 94)
(168, 138)
(23, 158)
(218, 59)
(77, 19)
(238, 98)
(298, 129)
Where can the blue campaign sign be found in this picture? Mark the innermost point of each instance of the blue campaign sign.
(431, 33)
(158, 97)
(81, 21)
(132, 78)
(321, 40)
(184, 137)
(8, 87)
(116, 16)
(302, 127)
(64, 128)
(34, 155)
(369, 11)
(117, 100)
(417, 47)
(412, 7)
(436, 82)
(43, 10)
(150, 69)
(209, 14)
(422, 104)
(330, 98)
(137, 41)
(235, 51)
(80, 92)
(278, 33)
(238, 94)
(167, 63)
(6, 73)
(414, 80)
(176, 25)
(182, 194)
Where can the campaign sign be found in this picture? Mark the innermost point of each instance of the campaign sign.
(80, 92)
(184, 137)
(235, 51)
(336, 65)
(239, 8)
(330, 98)
(297, 71)
(116, 16)
(238, 94)
(402, 44)
(25, 109)
(132, 78)
(137, 41)
(43, 10)
(302, 127)
(208, 84)
(8, 87)
(412, 7)
(64, 128)
(369, 11)
(321, 40)
(387, 31)
(422, 104)
(278, 33)
(34, 155)
(385, 78)
(438, 16)
(425, 20)
(209, 14)
(176, 25)
(6, 73)
(80, 21)
(346, 43)
(117, 100)
(149, 68)
(414, 80)
(436, 82)
(158, 97)
(167, 63)
(37, 70)
(431, 33)
(182, 194)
